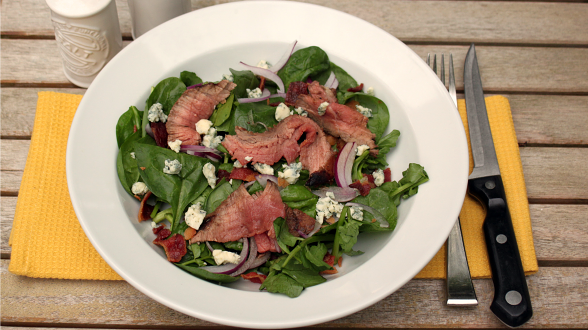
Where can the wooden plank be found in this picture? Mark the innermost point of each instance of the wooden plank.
(503, 69)
(7, 208)
(18, 109)
(10, 182)
(558, 294)
(410, 21)
(534, 116)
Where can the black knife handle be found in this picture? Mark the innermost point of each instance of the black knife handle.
(512, 303)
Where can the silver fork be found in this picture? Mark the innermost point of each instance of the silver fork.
(460, 290)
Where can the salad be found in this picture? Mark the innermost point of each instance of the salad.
(268, 174)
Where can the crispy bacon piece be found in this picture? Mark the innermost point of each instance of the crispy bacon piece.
(356, 88)
(330, 260)
(261, 82)
(174, 246)
(387, 175)
(265, 243)
(364, 185)
(145, 209)
(295, 89)
(189, 233)
(159, 133)
(299, 222)
(245, 174)
(222, 174)
(254, 277)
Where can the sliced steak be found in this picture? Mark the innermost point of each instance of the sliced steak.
(265, 243)
(292, 137)
(243, 215)
(195, 104)
(339, 120)
(299, 222)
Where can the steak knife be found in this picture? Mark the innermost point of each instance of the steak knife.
(511, 303)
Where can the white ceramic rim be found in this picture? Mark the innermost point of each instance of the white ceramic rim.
(440, 144)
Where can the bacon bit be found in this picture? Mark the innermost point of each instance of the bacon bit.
(283, 183)
(329, 259)
(261, 82)
(331, 220)
(142, 168)
(387, 175)
(331, 139)
(137, 197)
(356, 89)
(370, 178)
(222, 174)
(145, 209)
(364, 185)
(373, 220)
(254, 277)
(174, 246)
(189, 233)
(275, 104)
(245, 174)
(340, 261)
(134, 128)
(352, 104)
(329, 271)
(295, 89)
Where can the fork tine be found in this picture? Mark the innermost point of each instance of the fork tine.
(452, 80)
(443, 68)
(428, 59)
(435, 63)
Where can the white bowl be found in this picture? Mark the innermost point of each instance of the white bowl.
(209, 42)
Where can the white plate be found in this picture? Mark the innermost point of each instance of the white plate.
(209, 41)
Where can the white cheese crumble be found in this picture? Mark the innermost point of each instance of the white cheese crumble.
(209, 173)
(203, 125)
(139, 188)
(361, 149)
(322, 108)
(263, 168)
(263, 64)
(172, 166)
(364, 111)
(301, 112)
(225, 257)
(211, 140)
(236, 164)
(282, 111)
(378, 177)
(253, 94)
(156, 114)
(195, 215)
(228, 77)
(175, 145)
(291, 172)
(132, 155)
(154, 224)
(370, 91)
(248, 158)
(326, 207)
(356, 212)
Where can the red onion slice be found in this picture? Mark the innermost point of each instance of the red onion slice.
(317, 227)
(268, 74)
(250, 259)
(282, 95)
(260, 260)
(230, 268)
(332, 82)
(194, 86)
(377, 215)
(342, 194)
(202, 149)
(263, 178)
(149, 131)
(284, 58)
(344, 165)
(264, 96)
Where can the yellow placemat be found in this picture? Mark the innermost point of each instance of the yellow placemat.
(472, 213)
(47, 240)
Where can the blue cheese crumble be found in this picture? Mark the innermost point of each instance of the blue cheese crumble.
(172, 166)
(195, 215)
(263, 64)
(291, 172)
(139, 188)
(253, 94)
(156, 114)
(356, 212)
(301, 112)
(327, 207)
(370, 91)
(263, 168)
(132, 155)
(225, 257)
(203, 125)
(209, 173)
(237, 164)
(211, 140)
(364, 111)
(282, 112)
(322, 108)
(378, 177)
(361, 149)
(175, 145)
(228, 77)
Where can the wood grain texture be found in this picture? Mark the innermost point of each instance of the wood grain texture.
(503, 69)
(410, 21)
(558, 297)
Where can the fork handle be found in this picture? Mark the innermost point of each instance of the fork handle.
(460, 290)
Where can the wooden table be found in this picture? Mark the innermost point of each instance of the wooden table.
(535, 53)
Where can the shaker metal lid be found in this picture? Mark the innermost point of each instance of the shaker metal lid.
(77, 8)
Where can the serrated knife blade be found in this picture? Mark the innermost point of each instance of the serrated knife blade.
(511, 303)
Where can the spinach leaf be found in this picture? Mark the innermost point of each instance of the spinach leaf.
(244, 80)
(236, 246)
(166, 92)
(177, 190)
(299, 197)
(248, 114)
(307, 277)
(304, 63)
(380, 115)
(313, 257)
(282, 283)
(127, 124)
(283, 233)
(190, 78)
(347, 233)
(223, 112)
(379, 199)
(126, 165)
(206, 275)
(218, 195)
(345, 80)
(414, 176)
